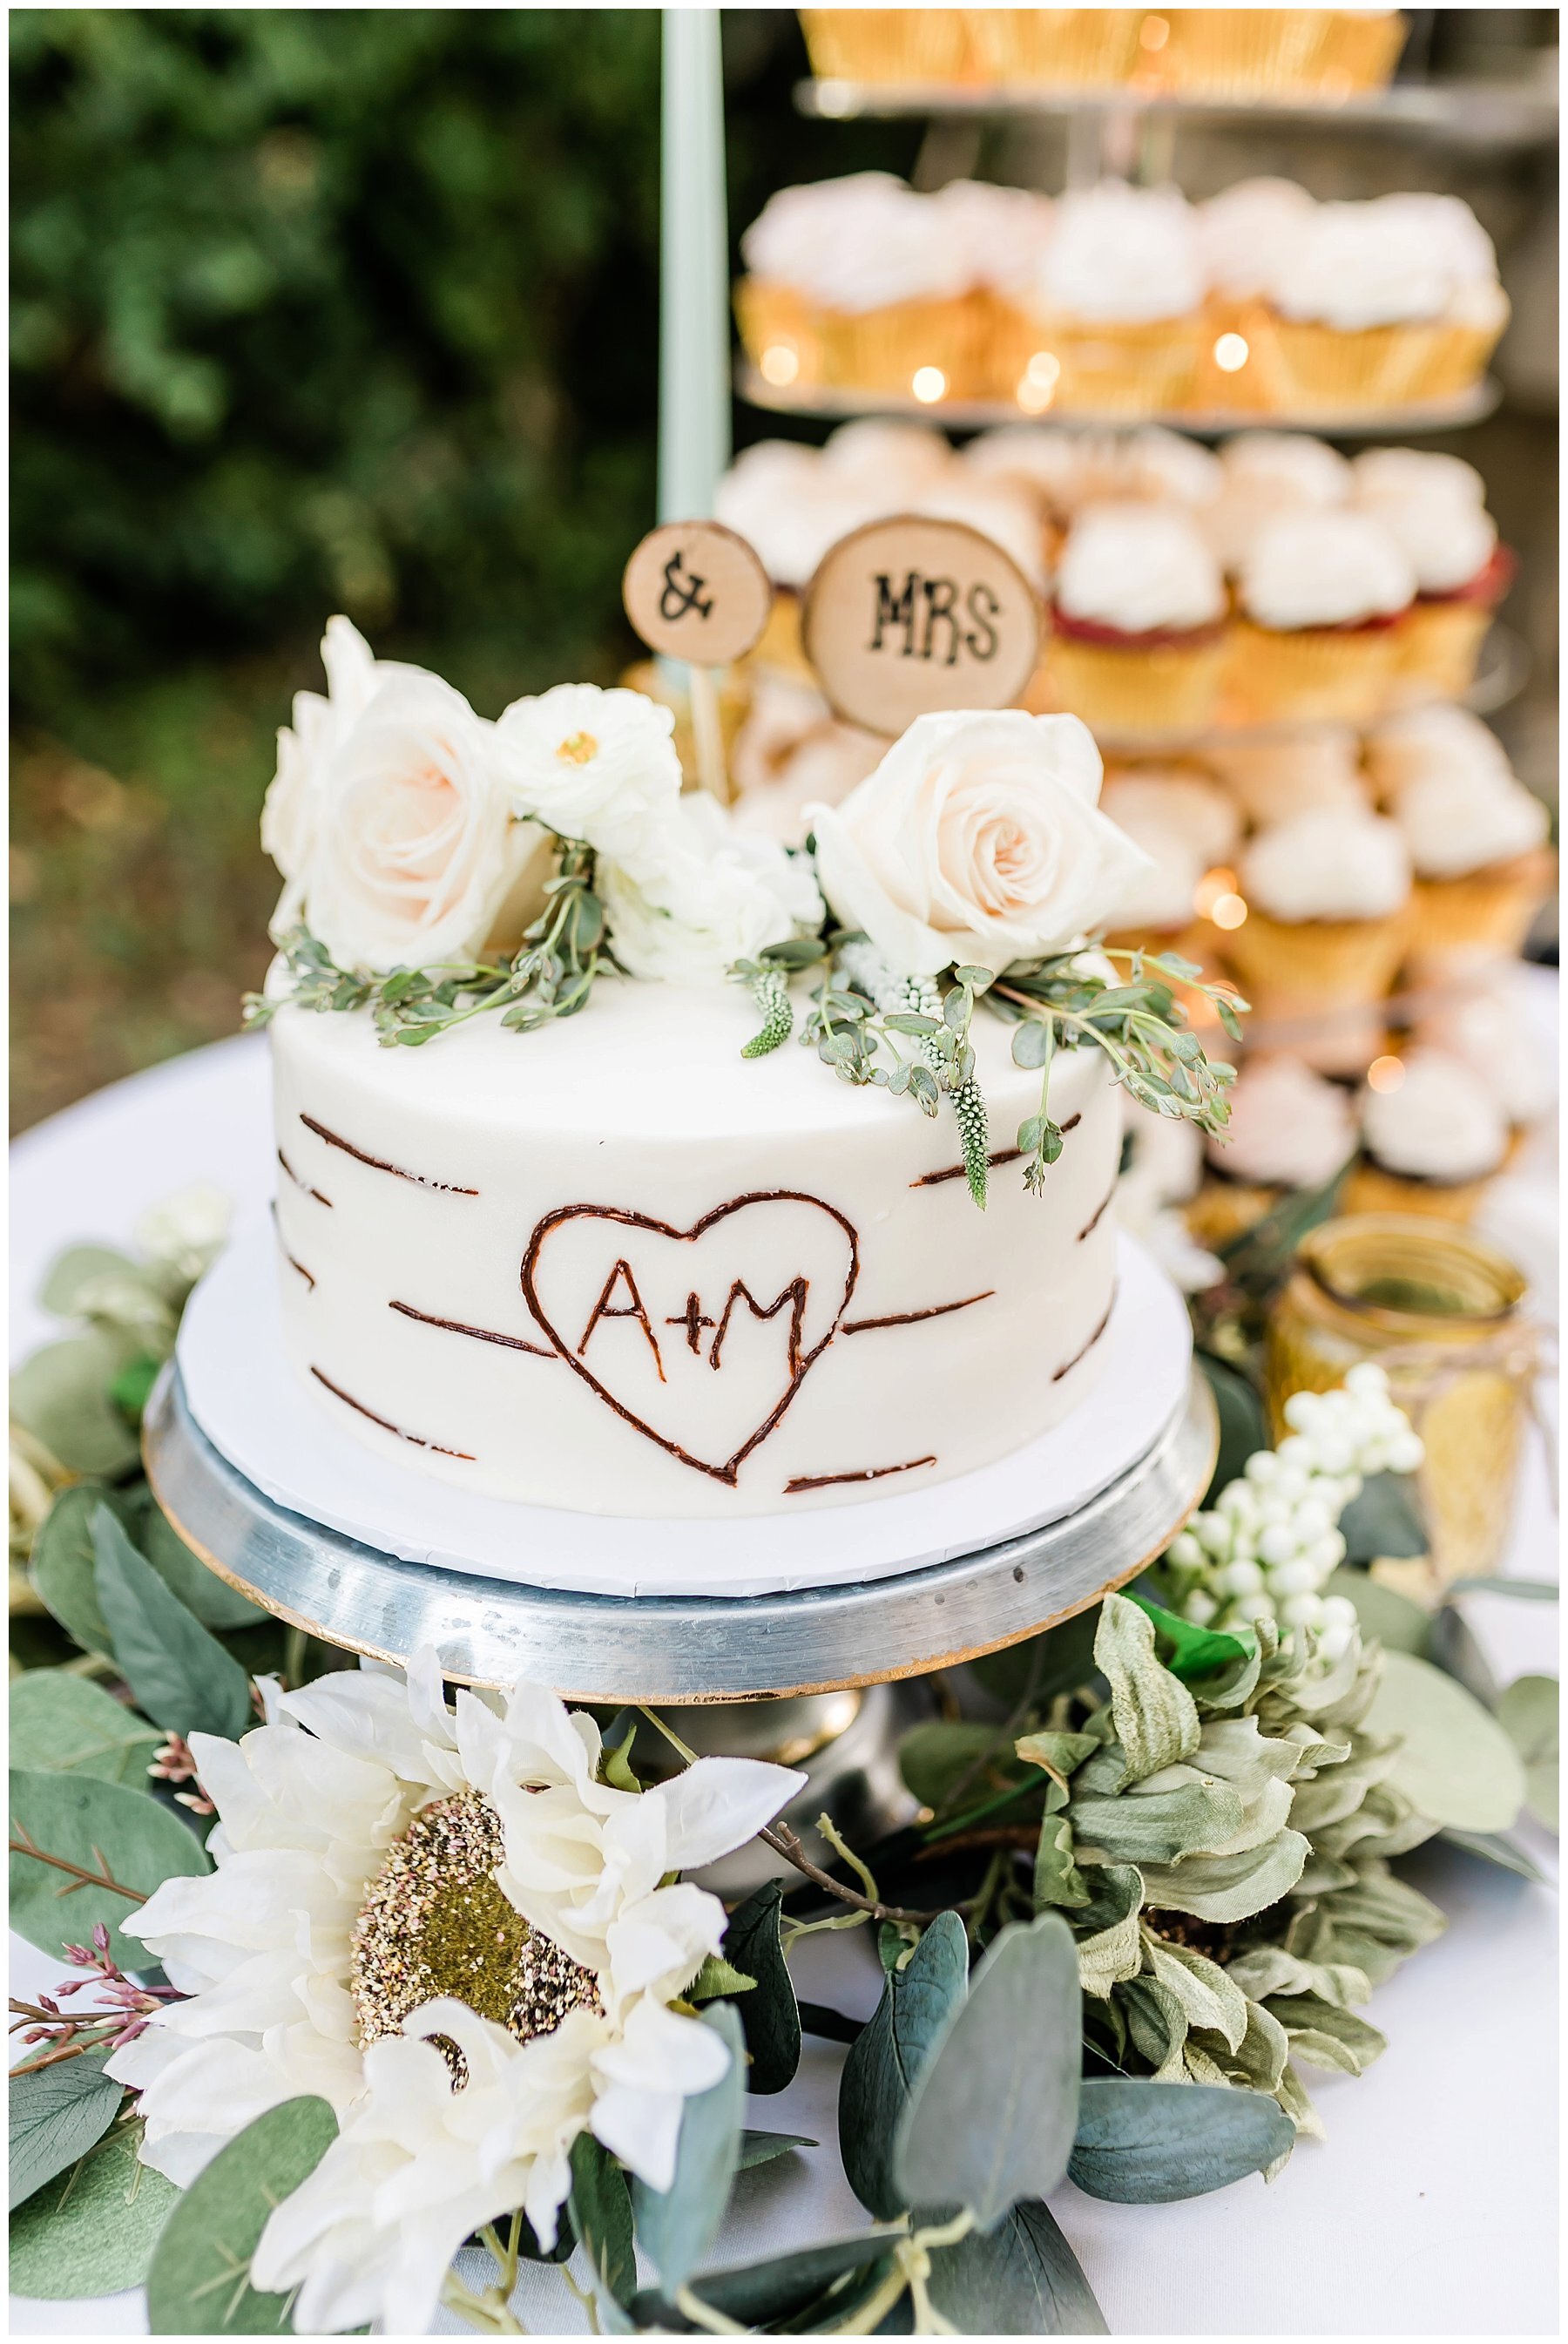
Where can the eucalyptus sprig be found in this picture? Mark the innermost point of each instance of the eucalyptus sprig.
(551, 976)
(1064, 1003)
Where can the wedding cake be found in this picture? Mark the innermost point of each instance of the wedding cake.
(567, 1214)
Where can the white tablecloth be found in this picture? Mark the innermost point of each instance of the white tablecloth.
(1432, 2209)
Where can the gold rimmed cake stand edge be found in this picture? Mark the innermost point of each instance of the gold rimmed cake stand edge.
(673, 1650)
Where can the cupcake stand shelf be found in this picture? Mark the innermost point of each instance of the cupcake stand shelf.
(836, 405)
(271, 1494)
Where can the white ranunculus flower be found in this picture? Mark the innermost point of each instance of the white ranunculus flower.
(417, 2166)
(416, 849)
(977, 840)
(593, 764)
(714, 895)
(342, 1822)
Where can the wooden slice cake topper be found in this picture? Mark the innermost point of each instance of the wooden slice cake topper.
(908, 615)
(695, 591)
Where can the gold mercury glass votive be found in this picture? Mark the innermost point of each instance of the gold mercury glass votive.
(1440, 1311)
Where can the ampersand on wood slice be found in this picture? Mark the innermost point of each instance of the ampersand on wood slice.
(695, 591)
(908, 615)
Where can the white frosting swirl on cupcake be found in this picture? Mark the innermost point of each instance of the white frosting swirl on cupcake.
(1137, 567)
(1356, 265)
(1292, 773)
(1289, 1128)
(1175, 798)
(859, 244)
(1165, 467)
(1241, 230)
(1455, 823)
(1438, 738)
(1434, 507)
(1324, 570)
(892, 458)
(1002, 232)
(1441, 1124)
(1121, 255)
(1264, 474)
(1048, 459)
(1490, 1029)
(999, 509)
(1327, 864)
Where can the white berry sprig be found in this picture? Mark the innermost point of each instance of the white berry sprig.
(1272, 1540)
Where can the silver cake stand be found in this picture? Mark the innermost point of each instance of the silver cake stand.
(672, 1650)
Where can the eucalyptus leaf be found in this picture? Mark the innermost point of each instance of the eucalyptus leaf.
(778, 2290)
(199, 2283)
(602, 2215)
(62, 1724)
(762, 2148)
(1022, 2279)
(215, 1603)
(988, 2126)
(76, 1816)
(64, 1564)
(889, 2056)
(1155, 1715)
(1455, 1763)
(180, 1674)
(61, 1396)
(91, 2230)
(77, 1269)
(1528, 1712)
(677, 2227)
(56, 2113)
(937, 1757)
(1144, 2144)
(769, 2015)
(1383, 1520)
(1399, 1625)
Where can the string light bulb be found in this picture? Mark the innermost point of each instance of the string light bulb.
(929, 384)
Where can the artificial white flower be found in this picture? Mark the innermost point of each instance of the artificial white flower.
(978, 839)
(716, 894)
(292, 811)
(417, 2166)
(303, 1945)
(593, 764)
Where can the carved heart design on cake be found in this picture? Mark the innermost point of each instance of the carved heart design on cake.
(697, 1338)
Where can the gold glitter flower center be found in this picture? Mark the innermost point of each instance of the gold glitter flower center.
(434, 1922)
(578, 749)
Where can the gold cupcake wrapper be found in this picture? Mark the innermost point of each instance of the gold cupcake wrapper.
(1109, 369)
(1056, 49)
(773, 316)
(1486, 913)
(1307, 369)
(1225, 1209)
(1276, 53)
(1330, 675)
(888, 44)
(884, 349)
(1370, 1189)
(1167, 688)
(1439, 649)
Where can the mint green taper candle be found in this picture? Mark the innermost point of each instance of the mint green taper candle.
(694, 270)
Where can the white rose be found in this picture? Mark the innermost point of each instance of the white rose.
(719, 896)
(593, 764)
(977, 840)
(291, 813)
(416, 849)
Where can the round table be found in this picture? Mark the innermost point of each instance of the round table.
(1432, 2209)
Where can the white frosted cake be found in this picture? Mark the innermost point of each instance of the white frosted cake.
(648, 1256)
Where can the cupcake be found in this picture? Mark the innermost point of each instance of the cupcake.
(1185, 826)
(1164, 467)
(1117, 303)
(1327, 894)
(1436, 506)
(1138, 638)
(781, 498)
(1432, 1141)
(1477, 844)
(1056, 49)
(873, 277)
(1477, 310)
(891, 45)
(1263, 476)
(1490, 1026)
(1318, 593)
(791, 753)
(1368, 305)
(885, 460)
(1272, 776)
(1288, 1130)
(1041, 458)
(1002, 234)
(1422, 741)
(1240, 233)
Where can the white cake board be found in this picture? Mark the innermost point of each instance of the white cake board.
(244, 1396)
